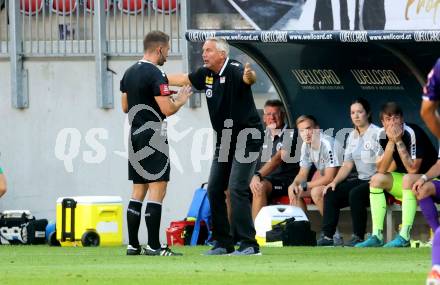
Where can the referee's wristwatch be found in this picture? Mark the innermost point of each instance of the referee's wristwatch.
(258, 174)
(424, 177)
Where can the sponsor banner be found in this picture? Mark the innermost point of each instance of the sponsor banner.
(309, 15)
(377, 79)
(367, 79)
(318, 79)
(316, 36)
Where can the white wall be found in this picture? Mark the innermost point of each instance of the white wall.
(62, 95)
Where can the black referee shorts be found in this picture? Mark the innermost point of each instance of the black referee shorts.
(148, 157)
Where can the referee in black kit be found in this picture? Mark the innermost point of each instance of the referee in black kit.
(234, 117)
(148, 100)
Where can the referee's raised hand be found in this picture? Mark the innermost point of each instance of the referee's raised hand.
(184, 93)
(249, 76)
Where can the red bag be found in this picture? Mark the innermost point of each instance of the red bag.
(180, 232)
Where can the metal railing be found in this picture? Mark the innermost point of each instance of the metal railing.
(126, 26)
(66, 27)
(83, 28)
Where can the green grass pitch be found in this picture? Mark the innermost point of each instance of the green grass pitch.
(291, 265)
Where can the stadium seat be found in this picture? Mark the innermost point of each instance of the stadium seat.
(30, 7)
(165, 6)
(131, 6)
(63, 7)
(89, 5)
(284, 200)
(392, 201)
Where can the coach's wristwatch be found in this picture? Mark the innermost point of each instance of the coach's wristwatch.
(424, 177)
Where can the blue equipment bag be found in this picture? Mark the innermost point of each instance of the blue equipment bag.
(200, 211)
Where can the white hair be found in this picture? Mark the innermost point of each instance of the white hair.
(220, 44)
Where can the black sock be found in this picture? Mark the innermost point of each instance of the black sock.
(153, 213)
(133, 221)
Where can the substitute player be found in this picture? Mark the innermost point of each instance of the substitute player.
(406, 149)
(318, 150)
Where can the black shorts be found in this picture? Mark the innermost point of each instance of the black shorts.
(279, 186)
(148, 157)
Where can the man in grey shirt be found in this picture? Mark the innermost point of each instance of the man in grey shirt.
(319, 150)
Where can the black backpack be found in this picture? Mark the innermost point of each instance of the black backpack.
(292, 233)
(298, 233)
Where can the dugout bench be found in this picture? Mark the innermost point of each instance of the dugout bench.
(321, 72)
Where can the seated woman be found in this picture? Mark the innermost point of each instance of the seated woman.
(361, 150)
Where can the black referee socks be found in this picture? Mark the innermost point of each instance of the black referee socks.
(133, 221)
(153, 214)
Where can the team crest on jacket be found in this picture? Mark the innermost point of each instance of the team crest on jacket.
(368, 146)
(209, 80)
